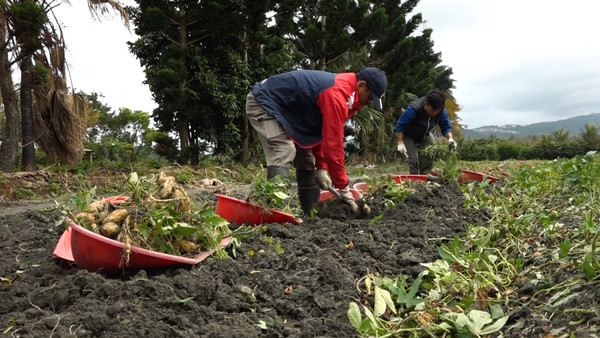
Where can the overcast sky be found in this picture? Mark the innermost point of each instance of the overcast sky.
(99, 59)
(518, 61)
(513, 62)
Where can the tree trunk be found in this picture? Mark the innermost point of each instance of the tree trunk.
(184, 139)
(27, 117)
(246, 140)
(12, 131)
(184, 128)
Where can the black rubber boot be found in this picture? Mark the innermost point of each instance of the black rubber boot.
(309, 192)
(273, 171)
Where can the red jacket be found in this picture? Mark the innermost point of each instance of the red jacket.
(313, 107)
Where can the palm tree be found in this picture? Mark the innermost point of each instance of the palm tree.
(590, 139)
(12, 130)
(50, 117)
(561, 136)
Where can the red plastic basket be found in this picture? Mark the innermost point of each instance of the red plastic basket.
(363, 186)
(96, 253)
(399, 178)
(325, 195)
(63, 247)
(242, 212)
(469, 176)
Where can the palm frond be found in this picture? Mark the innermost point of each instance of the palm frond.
(365, 121)
(102, 8)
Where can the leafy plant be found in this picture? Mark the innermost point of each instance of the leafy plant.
(400, 309)
(445, 161)
(159, 224)
(272, 194)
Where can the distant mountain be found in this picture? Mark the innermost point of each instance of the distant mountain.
(574, 125)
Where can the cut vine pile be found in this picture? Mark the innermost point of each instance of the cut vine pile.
(153, 213)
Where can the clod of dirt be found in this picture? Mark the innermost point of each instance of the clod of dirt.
(336, 208)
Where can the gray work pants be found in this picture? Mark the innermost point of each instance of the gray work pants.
(278, 148)
(416, 165)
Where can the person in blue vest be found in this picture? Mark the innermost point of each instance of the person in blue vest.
(415, 126)
(299, 117)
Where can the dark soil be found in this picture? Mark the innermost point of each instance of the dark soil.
(303, 291)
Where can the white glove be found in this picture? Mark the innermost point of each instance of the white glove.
(349, 198)
(402, 149)
(323, 179)
(451, 144)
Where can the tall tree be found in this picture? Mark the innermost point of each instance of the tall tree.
(27, 20)
(12, 129)
(200, 86)
(320, 30)
(234, 43)
(169, 52)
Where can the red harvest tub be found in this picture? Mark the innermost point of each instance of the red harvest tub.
(399, 178)
(242, 212)
(325, 195)
(96, 253)
(469, 176)
(363, 186)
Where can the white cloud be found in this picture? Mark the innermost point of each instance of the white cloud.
(518, 62)
(99, 59)
(514, 62)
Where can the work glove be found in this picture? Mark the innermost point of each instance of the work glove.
(402, 149)
(451, 144)
(349, 198)
(323, 179)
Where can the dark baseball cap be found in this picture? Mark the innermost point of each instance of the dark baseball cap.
(376, 82)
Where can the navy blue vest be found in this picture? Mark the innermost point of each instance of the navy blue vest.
(423, 124)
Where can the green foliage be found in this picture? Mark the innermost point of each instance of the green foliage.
(55, 187)
(445, 161)
(415, 314)
(393, 193)
(184, 176)
(547, 147)
(507, 150)
(40, 75)
(30, 17)
(117, 138)
(198, 76)
(272, 194)
(25, 192)
(160, 226)
(78, 201)
(164, 145)
(469, 290)
(201, 82)
(590, 137)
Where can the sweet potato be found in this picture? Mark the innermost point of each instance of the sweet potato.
(110, 230)
(183, 201)
(162, 177)
(102, 215)
(166, 188)
(116, 216)
(86, 217)
(97, 206)
(186, 246)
